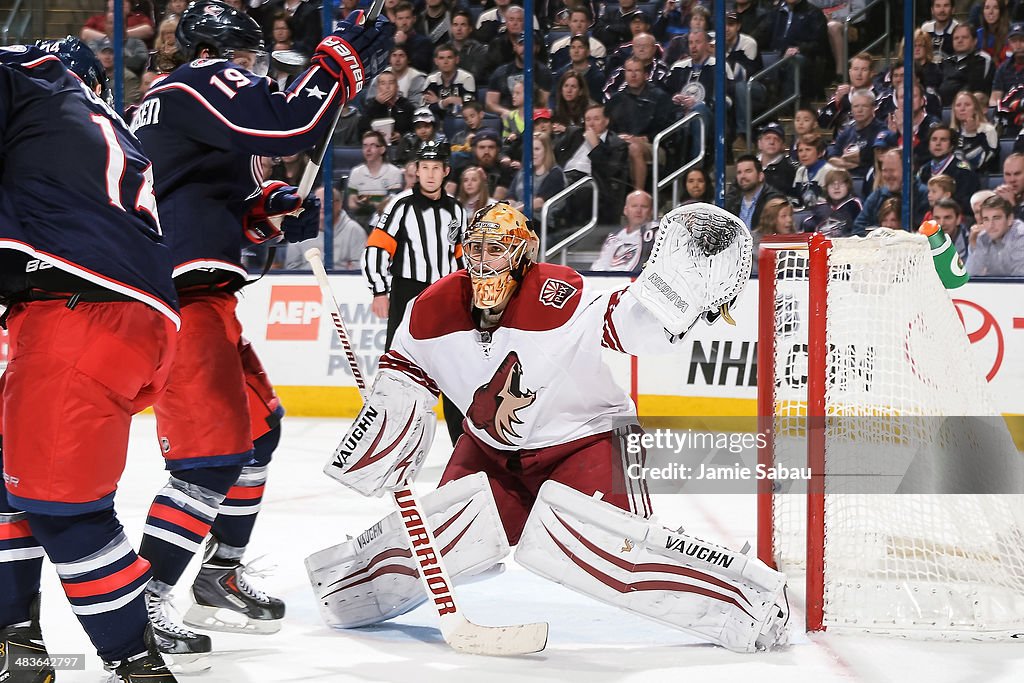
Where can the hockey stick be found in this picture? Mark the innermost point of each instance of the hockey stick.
(458, 631)
(316, 155)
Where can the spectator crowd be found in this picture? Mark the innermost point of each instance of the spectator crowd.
(608, 77)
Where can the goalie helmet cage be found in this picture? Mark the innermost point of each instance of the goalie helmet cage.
(881, 337)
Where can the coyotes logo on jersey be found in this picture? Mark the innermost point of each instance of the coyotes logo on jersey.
(496, 405)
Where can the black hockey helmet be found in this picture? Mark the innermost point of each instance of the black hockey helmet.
(432, 150)
(223, 30)
(81, 61)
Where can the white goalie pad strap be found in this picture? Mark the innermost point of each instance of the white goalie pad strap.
(717, 594)
(700, 261)
(388, 441)
(373, 577)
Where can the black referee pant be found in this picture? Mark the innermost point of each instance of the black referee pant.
(403, 291)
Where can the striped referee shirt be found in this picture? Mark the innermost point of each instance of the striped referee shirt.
(417, 238)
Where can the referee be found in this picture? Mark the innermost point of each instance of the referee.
(416, 243)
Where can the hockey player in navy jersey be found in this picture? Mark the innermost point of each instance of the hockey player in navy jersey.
(92, 313)
(218, 423)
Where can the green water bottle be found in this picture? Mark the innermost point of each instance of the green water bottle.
(948, 263)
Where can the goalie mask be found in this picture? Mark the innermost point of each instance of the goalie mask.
(499, 246)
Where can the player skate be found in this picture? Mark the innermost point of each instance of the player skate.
(145, 667)
(24, 641)
(184, 648)
(225, 601)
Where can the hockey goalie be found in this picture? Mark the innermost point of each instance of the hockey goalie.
(517, 345)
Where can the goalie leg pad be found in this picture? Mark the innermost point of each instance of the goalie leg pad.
(717, 594)
(700, 262)
(388, 441)
(373, 577)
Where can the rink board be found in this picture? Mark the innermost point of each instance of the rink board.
(714, 372)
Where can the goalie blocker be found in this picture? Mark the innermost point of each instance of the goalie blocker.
(389, 439)
(720, 595)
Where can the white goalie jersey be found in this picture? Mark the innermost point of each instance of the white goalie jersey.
(538, 379)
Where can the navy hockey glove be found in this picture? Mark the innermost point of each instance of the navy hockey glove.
(355, 52)
(304, 226)
(262, 224)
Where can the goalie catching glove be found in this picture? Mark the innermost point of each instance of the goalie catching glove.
(386, 444)
(354, 53)
(271, 217)
(700, 263)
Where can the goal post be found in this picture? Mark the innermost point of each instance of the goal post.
(912, 520)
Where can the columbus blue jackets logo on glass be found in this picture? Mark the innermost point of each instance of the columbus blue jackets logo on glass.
(556, 293)
(496, 405)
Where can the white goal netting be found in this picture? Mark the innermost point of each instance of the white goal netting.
(914, 542)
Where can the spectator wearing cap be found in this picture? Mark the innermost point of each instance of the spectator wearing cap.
(583, 151)
(853, 148)
(778, 168)
(584, 66)
(644, 50)
(580, 20)
(741, 53)
(1010, 73)
(472, 53)
(387, 103)
(450, 87)
(612, 27)
(966, 69)
(512, 145)
(424, 131)
(799, 30)
(692, 84)
(997, 243)
(487, 155)
(104, 50)
(435, 22)
(637, 113)
(836, 112)
(137, 25)
(136, 55)
(499, 88)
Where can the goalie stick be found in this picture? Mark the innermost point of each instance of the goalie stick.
(458, 631)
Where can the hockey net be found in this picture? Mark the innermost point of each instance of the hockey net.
(865, 376)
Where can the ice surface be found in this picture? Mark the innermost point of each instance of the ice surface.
(304, 511)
